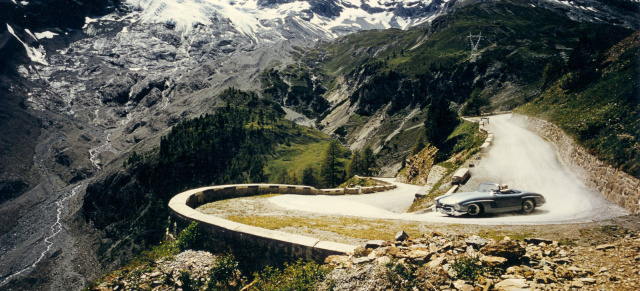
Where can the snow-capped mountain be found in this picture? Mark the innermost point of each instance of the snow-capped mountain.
(103, 84)
(274, 20)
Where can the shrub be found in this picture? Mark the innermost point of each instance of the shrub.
(189, 238)
(296, 277)
(188, 284)
(225, 275)
(414, 277)
(401, 275)
(468, 268)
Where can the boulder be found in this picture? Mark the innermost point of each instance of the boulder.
(462, 285)
(491, 261)
(511, 284)
(383, 261)
(605, 247)
(577, 284)
(435, 263)
(514, 270)
(579, 271)
(373, 244)
(537, 241)
(509, 249)
(587, 281)
(544, 277)
(392, 251)
(602, 270)
(401, 236)
(476, 242)
(563, 272)
(362, 260)
(419, 254)
(361, 251)
(336, 260)
(339, 262)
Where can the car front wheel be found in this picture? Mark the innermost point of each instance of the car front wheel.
(528, 206)
(474, 209)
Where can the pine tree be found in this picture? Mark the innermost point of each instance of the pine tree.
(369, 162)
(355, 164)
(440, 121)
(309, 177)
(331, 165)
(293, 179)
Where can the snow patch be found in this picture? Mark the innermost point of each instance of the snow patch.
(251, 20)
(30, 34)
(45, 34)
(560, 2)
(36, 55)
(88, 20)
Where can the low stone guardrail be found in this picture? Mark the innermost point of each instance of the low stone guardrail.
(276, 244)
(487, 142)
(452, 190)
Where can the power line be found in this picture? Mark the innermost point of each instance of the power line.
(474, 41)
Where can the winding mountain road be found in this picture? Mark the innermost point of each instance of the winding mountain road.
(517, 157)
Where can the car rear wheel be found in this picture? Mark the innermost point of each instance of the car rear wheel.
(474, 209)
(528, 206)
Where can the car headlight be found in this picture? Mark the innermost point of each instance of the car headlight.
(456, 206)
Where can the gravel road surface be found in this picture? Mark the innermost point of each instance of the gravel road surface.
(517, 157)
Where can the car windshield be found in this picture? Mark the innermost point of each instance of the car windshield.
(487, 187)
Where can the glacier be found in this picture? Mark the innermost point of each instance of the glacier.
(256, 17)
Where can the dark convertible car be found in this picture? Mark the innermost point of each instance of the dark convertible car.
(489, 198)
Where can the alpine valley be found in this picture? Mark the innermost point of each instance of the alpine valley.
(108, 108)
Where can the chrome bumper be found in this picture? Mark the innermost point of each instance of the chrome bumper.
(449, 210)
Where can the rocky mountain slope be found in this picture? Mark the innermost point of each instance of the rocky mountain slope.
(434, 261)
(87, 82)
(602, 95)
(91, 88)
(481, 57)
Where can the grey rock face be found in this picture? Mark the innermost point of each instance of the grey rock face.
(117, 88)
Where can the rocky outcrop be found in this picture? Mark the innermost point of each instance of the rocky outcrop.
(508, 249)
(614, 184)
(186, 271)
(417, 168)
(434, 261)
(504, 264)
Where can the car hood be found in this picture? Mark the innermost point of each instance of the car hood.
(463, 196)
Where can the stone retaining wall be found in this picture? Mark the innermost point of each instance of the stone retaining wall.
(285, 245)
(256, 243)
(615, 185)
